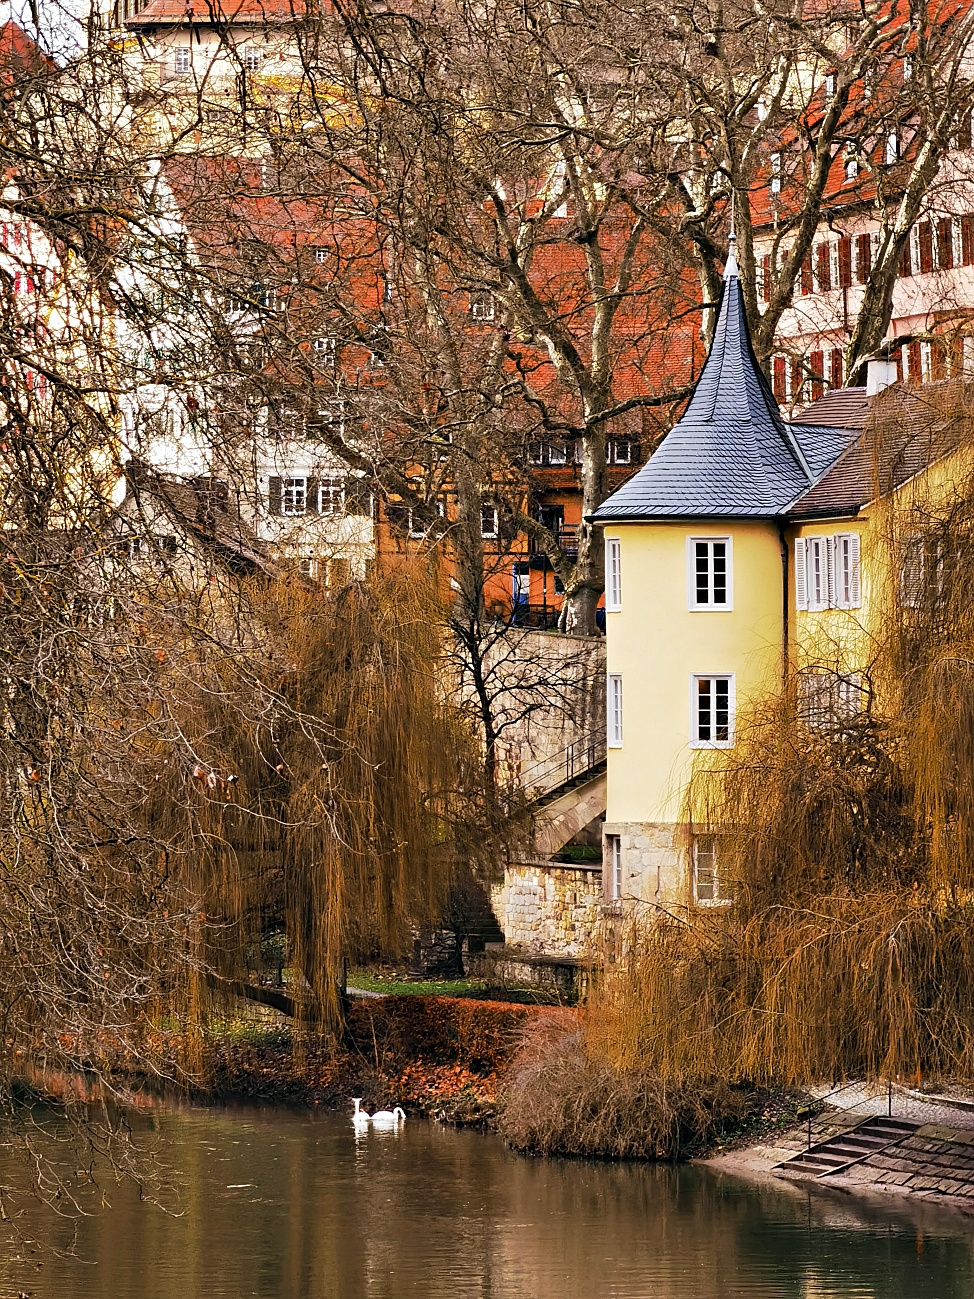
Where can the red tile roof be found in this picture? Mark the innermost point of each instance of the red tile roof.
(203, 13)
(906, 430)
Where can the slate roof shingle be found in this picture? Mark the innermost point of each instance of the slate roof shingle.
(731, 455)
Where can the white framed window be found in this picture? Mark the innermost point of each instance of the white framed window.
(614, 711)
(619, 451)
(250, 58)
(331, 494)
(489, 521)
(326, 349)
(892, 148)
(851, 168)
(321, 255)
(558, 453)
(712, 707)
(830, 698)
(612, 867)
(813, 573)
(182, 60)
(776, 173)
(709, 573)
(706, 881)
(308, 567)
(483, 307)
(827, 572)
(613, 574)
(847, 584)
(294, 496)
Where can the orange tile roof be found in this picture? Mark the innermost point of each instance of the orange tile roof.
(207, 12)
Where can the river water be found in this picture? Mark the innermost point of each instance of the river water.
(284, 1205)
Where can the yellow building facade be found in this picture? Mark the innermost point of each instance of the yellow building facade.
(749, 553)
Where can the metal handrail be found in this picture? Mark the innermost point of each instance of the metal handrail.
(574, 760)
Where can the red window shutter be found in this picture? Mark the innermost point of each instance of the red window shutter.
(824, 267)
(945, 246)
(766, 277)
(817, 362)
(906, 261)
(835, 363)
(779, 378)
(806, 281)
(797, 378)
(845, 262)
(926, 247)
(864, 258)
(914, 362)
(967, 238)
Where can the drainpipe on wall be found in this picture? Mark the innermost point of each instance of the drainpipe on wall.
(784, 603)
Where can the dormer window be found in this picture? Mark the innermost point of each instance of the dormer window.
(483, 307)
(830, 85)
(851, 168)
(776, 173)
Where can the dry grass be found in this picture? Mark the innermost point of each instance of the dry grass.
(561, 1098)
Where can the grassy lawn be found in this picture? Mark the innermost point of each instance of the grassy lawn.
(369, 981)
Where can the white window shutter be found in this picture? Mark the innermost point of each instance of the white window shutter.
(801, 575)
(855, 586)
(912, 573)
(828, 558)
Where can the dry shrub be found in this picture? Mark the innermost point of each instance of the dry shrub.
(562, 1098)
(876, 985)
(480, 1035)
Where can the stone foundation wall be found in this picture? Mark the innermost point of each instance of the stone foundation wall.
(549, 909)
(655, 862)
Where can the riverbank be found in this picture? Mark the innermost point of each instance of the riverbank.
(438, 1057)
(884, 1142)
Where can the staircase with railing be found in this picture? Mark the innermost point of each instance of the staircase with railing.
(553, 776)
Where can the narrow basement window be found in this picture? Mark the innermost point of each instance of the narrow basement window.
(612, 868)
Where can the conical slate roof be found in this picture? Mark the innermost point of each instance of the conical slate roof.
(731, 454)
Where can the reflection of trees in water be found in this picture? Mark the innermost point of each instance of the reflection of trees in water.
(292, 1207)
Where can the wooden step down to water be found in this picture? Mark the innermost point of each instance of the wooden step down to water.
(845, 1149)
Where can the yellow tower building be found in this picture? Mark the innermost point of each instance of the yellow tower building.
(738, 540)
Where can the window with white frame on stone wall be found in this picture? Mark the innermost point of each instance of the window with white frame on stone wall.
(612, 868)
(708, 887)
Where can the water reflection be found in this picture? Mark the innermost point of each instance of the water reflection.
(287, 1206)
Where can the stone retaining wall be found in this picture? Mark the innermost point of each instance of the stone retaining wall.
(549, 909)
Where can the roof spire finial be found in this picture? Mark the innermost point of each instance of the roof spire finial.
(730, 267)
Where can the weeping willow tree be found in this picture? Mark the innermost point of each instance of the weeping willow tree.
(846, 835)
(341, 807)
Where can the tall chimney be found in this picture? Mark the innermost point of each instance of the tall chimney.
(880, 374)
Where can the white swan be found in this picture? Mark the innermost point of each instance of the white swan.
(360, 1118)
(389, 1118)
